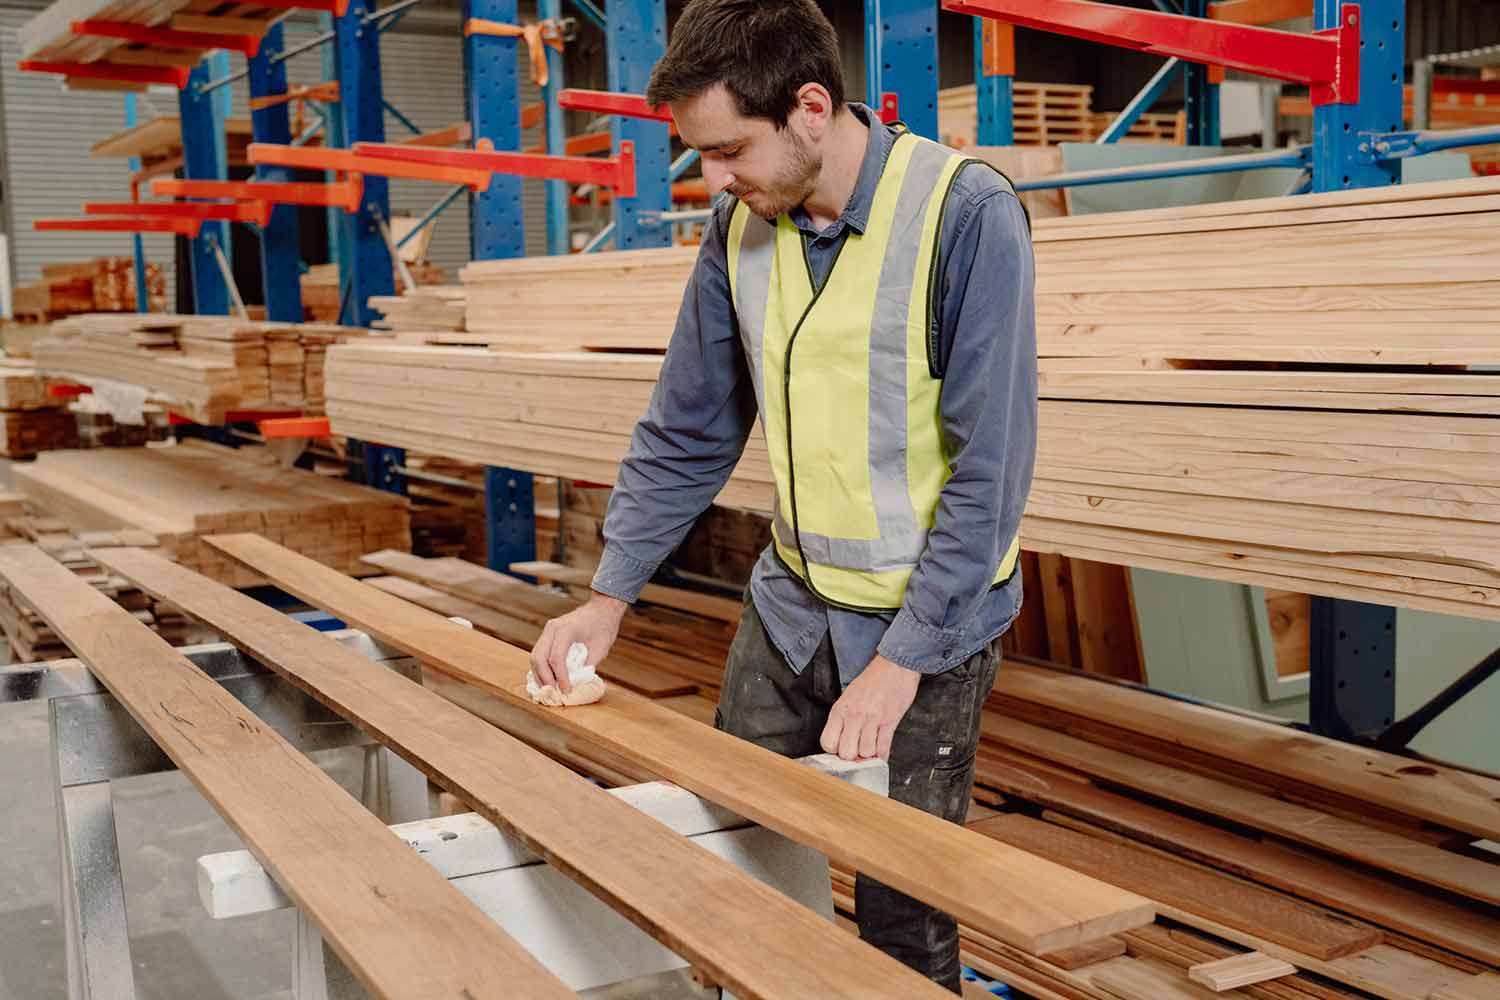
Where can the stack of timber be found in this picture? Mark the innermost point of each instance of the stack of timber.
(322, 297)
(201, 367)
(180, 493)
(1045, 114)
(1245, 423)
(1344, 872)
(106, 284)
(16, 337)
(48, 36)
(31, 420)
(157, 143)
(447, 509)
(618, 301)
(29, 637)
(428, 308)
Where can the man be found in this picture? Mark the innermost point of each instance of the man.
(869, 294)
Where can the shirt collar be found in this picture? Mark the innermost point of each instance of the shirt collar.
(856, 214)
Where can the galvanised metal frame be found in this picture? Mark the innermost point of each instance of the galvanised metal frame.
(94, 741)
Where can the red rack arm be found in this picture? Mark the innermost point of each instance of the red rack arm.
(343, 194)
(616, 172)
(1327, 61)
(176, 76)
(353, 161)
(167, 37)
(258, 212)
(148, 224)
(338, 8)
(609, 103)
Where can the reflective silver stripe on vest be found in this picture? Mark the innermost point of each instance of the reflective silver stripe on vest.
(752, 287)
(901, 541)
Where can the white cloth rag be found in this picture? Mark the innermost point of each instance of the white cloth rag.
(587, 686)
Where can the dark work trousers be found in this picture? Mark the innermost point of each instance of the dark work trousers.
(931, 765)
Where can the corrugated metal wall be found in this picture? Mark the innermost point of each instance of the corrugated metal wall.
(48, 133)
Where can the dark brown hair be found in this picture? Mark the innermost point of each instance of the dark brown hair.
(763, 51)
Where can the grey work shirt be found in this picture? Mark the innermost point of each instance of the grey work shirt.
(703, 409)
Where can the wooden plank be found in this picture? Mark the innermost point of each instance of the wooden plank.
(751, 938)
(722, 608)
(398, 924)
(1085, 954)
(1346, 838)
(1441, 919)
(1221, 898)
(1483, 987)
(1241, 970)
(1014, 896)
(1448, 797)
(641, 678)
(1148, 980)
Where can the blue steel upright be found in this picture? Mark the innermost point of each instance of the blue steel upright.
(1337, 163)
(497, 230)
(201, 130)
(357, 46)
(994, 93)
(636, 38)
(1201, 96)
(552, 121)
(142, 289)
(280, 239)
(901, 58)
(496, 218)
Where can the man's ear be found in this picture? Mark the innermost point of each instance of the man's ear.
(815, 109)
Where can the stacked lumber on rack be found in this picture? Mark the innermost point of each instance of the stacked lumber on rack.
(429, 308)
(1244, 418)
(1045, 114)
(321, 295)
(103, 285)
(625, 300)
(199, 366)
(157, 143)
(180, 493)
(30, 419)
(29, 637)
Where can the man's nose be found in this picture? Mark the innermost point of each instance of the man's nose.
(716, 177)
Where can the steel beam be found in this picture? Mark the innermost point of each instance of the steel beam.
(202, 129)
(280, 236)
(636, 39)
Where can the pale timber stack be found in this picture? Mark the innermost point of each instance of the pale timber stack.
(1242, 419)
(176, 495)
(201, 367)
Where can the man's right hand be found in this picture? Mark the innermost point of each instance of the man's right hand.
(595, 624)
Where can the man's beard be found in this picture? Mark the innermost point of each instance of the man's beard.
(792, 184)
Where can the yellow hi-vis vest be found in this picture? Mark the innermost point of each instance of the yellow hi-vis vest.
(848, 386)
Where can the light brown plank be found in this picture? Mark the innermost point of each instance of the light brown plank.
(402, 929)
(1221, 898)
(1241, 970)
(722, 608)
(1014, 896)
(1147, 980)
(749, 937)
(1484, 987)
(1446, 796)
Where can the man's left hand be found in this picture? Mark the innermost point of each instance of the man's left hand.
(863, 720)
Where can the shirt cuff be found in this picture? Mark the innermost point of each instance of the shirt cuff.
(911, 644)
(621, 576)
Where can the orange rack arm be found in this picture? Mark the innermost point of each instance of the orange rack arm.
(343, 194)
(150, 224)
(295, 427)
(258, 212)
(356, 162)
(617, 172)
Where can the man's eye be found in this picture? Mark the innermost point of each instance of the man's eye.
(730, 154)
